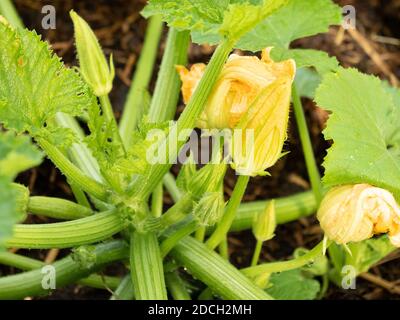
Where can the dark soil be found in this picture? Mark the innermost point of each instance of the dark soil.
(120, 29)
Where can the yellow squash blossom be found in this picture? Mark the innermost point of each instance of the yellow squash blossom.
(252, 95)
(353, 213)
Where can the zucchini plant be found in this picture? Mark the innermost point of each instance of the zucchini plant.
(65, 114)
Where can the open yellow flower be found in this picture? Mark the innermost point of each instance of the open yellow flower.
(353, 213)
(252, 95)
(242, 79)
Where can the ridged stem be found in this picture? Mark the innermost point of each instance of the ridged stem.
(27, 264)
(146, 267)
(73, 173)
(66, 271)
(68, 234)
(166, 92)
(57, 208)
(217, 273)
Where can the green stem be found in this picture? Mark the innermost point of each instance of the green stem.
(223, 249)
(144, 69)
(311, 164)
(8, 10)
(178, 211)
(110, 118)
(27, 264)
(57, 208)
(68, 234)
(170, 185)
(287, 209)
(124, 290)
(169, 243)
(74, 174)
(66, 271)
(176, 286)
(157, 201)
(285, 265)
(146, 267)
(200, 234)
(144, 187)
(166, 93)
(224, 225)
(216, 272)
(257, 252)
(80, 196)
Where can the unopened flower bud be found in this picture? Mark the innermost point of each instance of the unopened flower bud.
(264, 223)
(352, 213)
(93, 64)
(210, 208)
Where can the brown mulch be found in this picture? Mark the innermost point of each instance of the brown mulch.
(374, 48)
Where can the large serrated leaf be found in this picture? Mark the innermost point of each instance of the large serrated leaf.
(296, 20)
(35, 85)
(364, 127)
(212, 19)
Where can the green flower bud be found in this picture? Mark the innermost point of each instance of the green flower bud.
(264, 223)
(207, 179)
(93, 64)
(187, 172)
(209, 210)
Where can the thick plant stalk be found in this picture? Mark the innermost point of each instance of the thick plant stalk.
(88, 230)
(311, 164)
(166, 93)
(57, 208)
(27, 264)
(224, 225)
(133, 108)
(216, 272)
(66, 271)
(146, 267)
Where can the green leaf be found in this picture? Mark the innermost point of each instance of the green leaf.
(364, 127)
(368, 252)
(213, 18)
(320, 60)
(17, 154)
(292, 285)
(34, 85)
(307, 81)
(296, 20)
